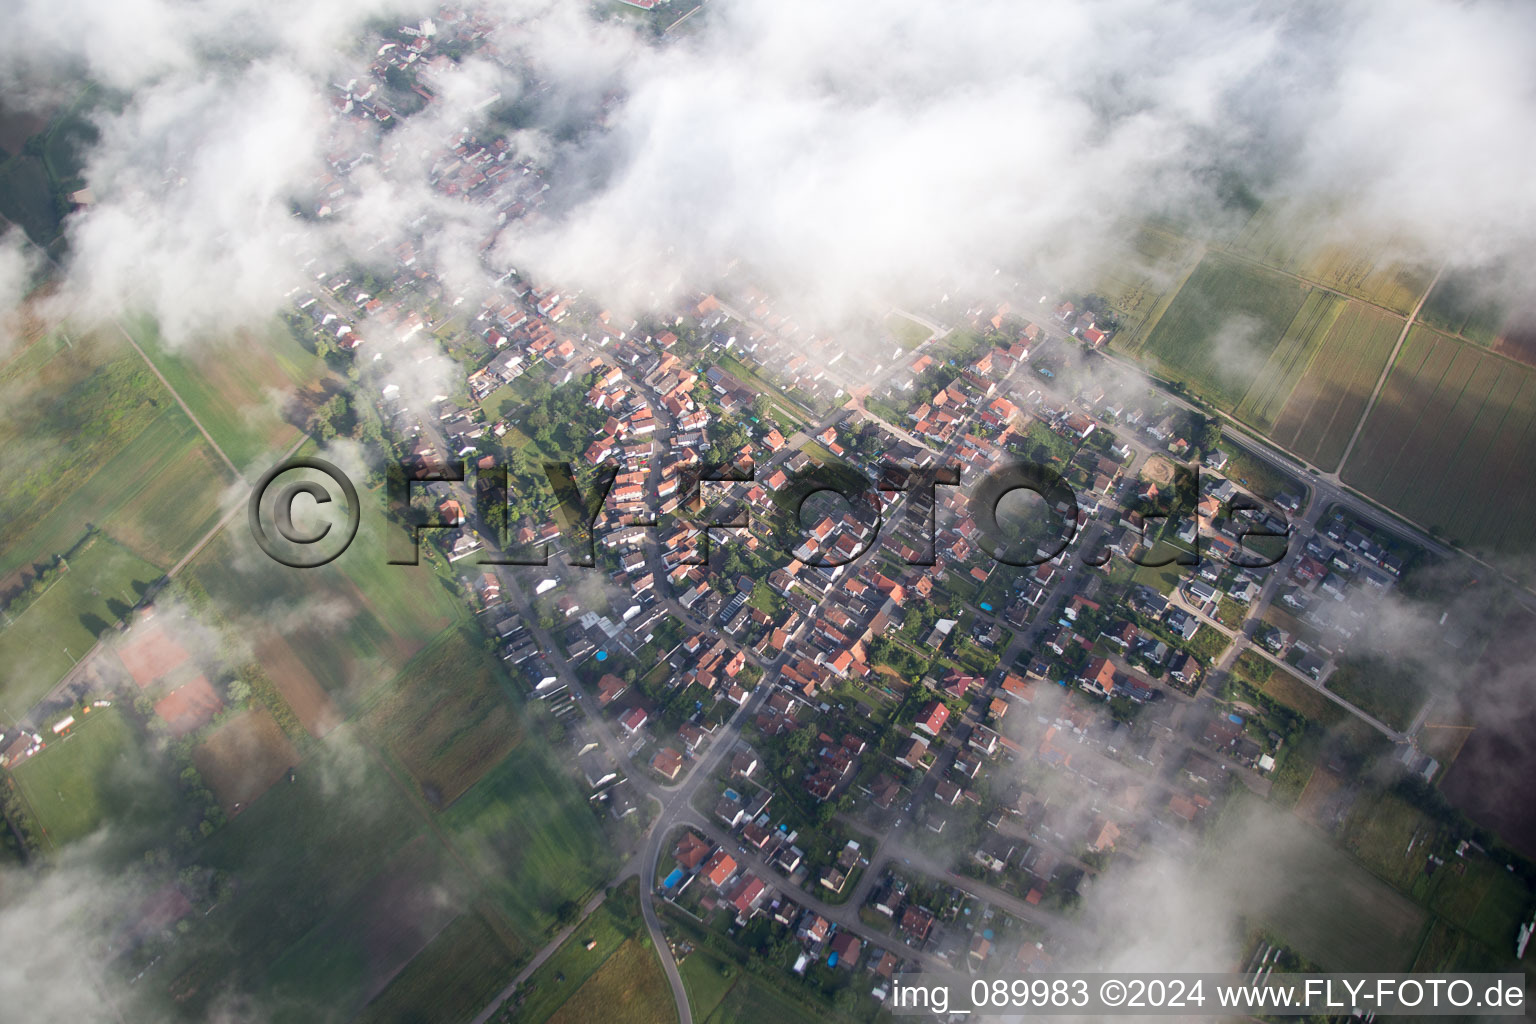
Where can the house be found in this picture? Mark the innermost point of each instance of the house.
(911, 753)
(1099, 677)
(731, 811)
(744, 764)
(815, 928)
(749, 890)
(609, 689)
(1203, 593)
(720, 868)
(1104, 836)
(690, 851)
(916, 923)
(846, 947)
(884, 790)
(634, 720)
(932, 718)
(667, 763)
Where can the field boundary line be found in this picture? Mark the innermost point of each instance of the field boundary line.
(1330, 288)
(179, 400)
(1381, 381)
(151, 363)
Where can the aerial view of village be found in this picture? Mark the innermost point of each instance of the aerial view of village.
(671, 512)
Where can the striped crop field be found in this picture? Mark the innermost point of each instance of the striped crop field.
(1321, 412)
(1450, 443)
(1223, 328)
(1290, 359)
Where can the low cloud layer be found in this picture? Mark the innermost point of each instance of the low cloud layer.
(845, 156)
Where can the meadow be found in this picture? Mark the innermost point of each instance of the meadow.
(26, 198)
(1377, 688)
(906, 332)
(93, 437)
(239, 386)
(334, 970)
(628, 989)
(1223, 328)
(453, 978)
(529, 830)
(1139, 284)
(332, 633)
(1458, 307)
(751, 1001)
(1483, 899)
(1326, 404)
(1393, 838)
(99, 773)
(1322, 904)
(42, 643)
(294, 857)
(1285, 688)
(1447, 443)
(560, 977)
(708, 979)
(447, 717)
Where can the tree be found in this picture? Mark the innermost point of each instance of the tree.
(799, 741)
(1208, 435)
(332, 418)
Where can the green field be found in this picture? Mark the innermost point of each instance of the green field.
(560, 977)
(1449, 442)
(1392, 838)
(1322, 904)
(26, 198)
(346, 626)
(1223, 329)
(751, 1001)
(238, 386)
(447, 717)
(158, 496)
(1299, 697)
(97, 774)
(1316, 421)
(1307, 243)
(1290, 359)
(334, 970)
(907, 332)
(1487, 901)
(1391, 694)
(708, 979)
(628, 989)
(528, 828)
(1141, 282)
(294, 857)
(38, 646)
(454, 978)
(75, 409)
